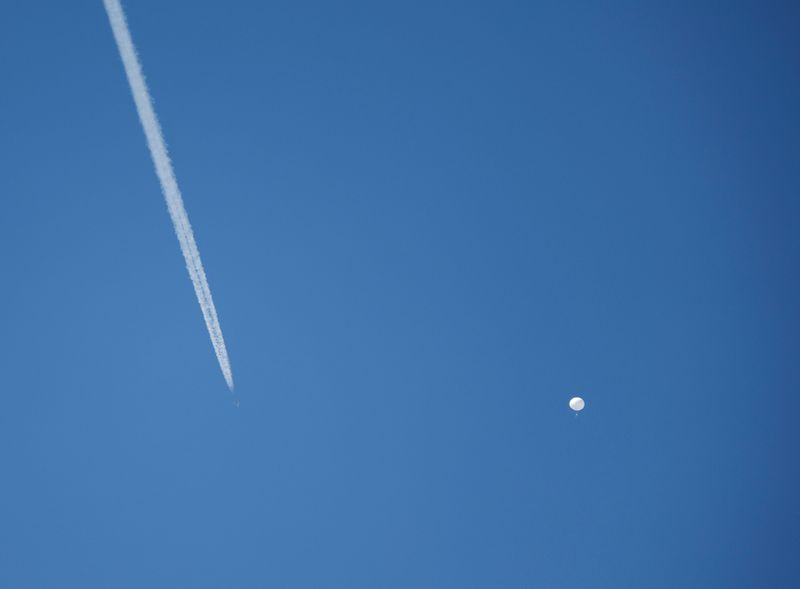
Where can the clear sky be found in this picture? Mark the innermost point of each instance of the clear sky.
(426, 226)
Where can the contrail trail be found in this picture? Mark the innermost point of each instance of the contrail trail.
(169, 185)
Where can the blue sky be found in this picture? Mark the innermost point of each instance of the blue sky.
(426, 226)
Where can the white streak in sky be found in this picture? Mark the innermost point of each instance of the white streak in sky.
(169, 186)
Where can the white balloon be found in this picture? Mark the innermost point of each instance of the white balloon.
(576, 404)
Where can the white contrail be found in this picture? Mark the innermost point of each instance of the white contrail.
(169, 186)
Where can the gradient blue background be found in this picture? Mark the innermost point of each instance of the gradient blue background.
(426, 226)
